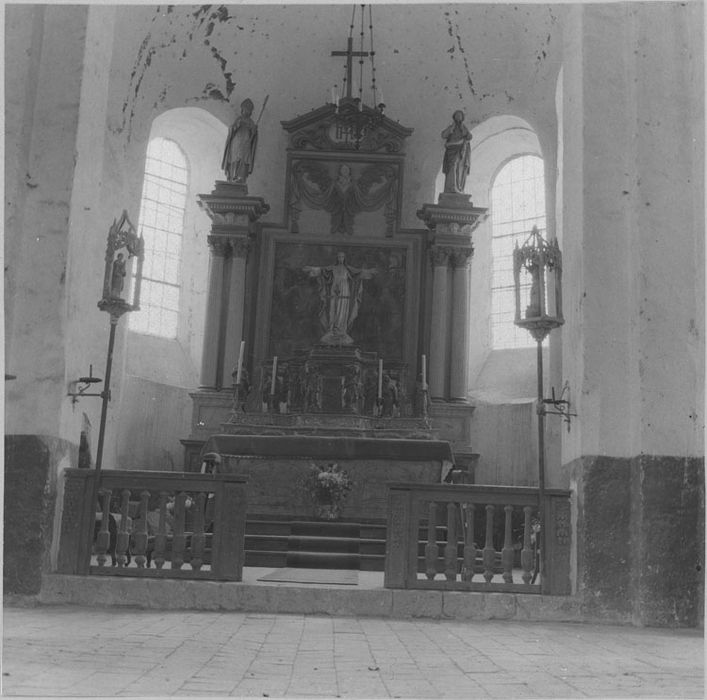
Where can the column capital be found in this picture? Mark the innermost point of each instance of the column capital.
(460, 256)
(240, 247)
(440, 255)
(218, 244)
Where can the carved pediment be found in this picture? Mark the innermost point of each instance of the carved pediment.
(346, 128)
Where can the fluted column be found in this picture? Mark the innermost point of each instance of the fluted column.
(218, 247)
(452, 221)
(235, 310)
(459, 360)
(439, 323)
(234, 216)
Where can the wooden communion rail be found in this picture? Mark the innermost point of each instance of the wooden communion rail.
(186, 525)
(153, 524)
(475, 538)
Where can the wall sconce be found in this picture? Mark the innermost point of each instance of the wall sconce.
(82, 384)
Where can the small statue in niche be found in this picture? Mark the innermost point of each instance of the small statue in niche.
(340, 291)
(533, 308)
(240, 389)
(117, 277)
(391, 405)
(352, 388)
(457, 154)
(239, 153)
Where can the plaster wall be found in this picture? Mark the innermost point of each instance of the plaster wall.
(38, 221)
(215, 57)
(633, 366)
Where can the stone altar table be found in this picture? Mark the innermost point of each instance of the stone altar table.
(276, 466)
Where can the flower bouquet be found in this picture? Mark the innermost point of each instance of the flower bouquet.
(327, 488)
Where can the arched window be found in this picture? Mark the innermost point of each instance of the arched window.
(162, 224)
(517, 204)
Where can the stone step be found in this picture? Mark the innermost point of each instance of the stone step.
(323, 560)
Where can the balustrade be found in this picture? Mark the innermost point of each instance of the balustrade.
(159, 524)
(472, 537)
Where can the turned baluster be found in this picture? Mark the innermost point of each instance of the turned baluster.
(507, 552)
(179, 539)
(450, 549)
(431, 551)
(526, 554)
(122, 540)
(198, 538)
(469, 545)
(140, 534)
(161, 537)
(103, 537)
(489, 551)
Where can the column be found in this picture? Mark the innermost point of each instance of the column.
(452, 222)
(439, 326)
(459, 360)
(218, 245)
(234, 215)
(235, 310)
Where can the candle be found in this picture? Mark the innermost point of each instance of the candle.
(380, 379)
(333, 96)
(274, 375)
(424, 372)
(240, 362)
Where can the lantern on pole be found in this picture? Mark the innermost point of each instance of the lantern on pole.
(123, 244)
(537, 276)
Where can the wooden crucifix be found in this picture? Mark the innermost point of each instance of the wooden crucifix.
(349, 53)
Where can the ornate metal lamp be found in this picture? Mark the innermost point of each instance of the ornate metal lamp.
(123, 244)
(353, 118)
(537, 276)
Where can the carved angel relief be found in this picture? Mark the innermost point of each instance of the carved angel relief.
(337, 191)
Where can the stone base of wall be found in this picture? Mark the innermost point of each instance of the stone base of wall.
(640, 539)
(31, 466)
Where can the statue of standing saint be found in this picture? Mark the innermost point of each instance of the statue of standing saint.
(340, 290)
(239, 153)
(457, 154)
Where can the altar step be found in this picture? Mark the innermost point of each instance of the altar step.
(315, 544)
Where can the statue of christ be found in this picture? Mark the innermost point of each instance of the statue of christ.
(340, 290)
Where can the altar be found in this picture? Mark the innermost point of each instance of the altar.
(320, 326)
(277, 466)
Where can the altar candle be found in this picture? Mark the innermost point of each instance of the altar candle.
(380, 379)
(274, 376)
(424, 371)
(240, 362)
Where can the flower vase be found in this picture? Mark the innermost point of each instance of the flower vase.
(328, 511)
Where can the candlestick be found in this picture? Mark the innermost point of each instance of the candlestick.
(240, 362)
(380, 379)
(274, 375)
(424, 371)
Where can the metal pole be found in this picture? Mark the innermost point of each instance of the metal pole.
(105, 394)
(541, 465)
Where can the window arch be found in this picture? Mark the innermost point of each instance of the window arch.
(517, 204)
(161, 222)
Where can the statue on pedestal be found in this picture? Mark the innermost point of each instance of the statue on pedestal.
(239, 153)
(340, 290)
(457, 154)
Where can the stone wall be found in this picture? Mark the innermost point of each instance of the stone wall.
(640, 539)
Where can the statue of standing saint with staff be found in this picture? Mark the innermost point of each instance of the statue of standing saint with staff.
(239, 152)
(340, 290)
(457, 154)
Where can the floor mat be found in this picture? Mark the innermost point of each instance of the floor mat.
(347, 577)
